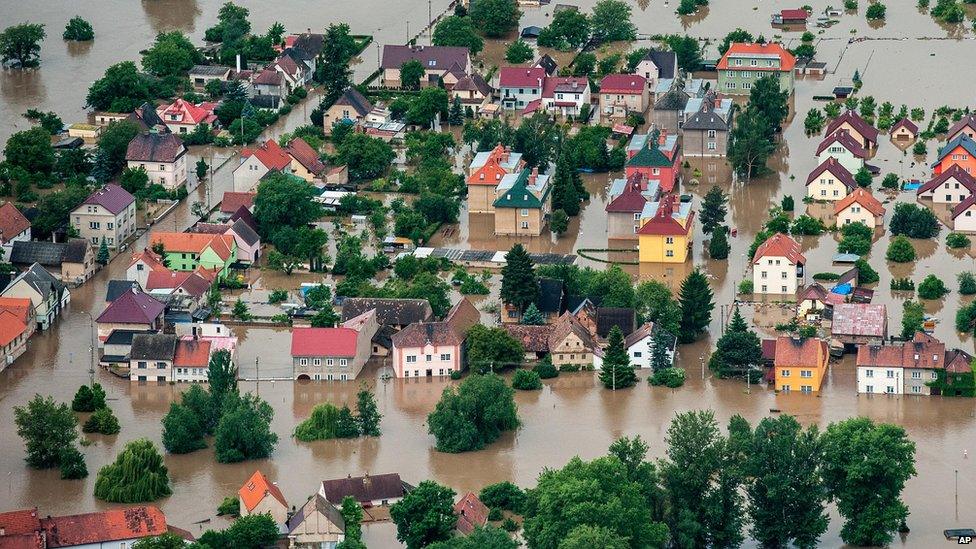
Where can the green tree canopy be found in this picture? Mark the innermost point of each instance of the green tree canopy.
(495, 18)
(425, 515)
(171, 55)
(520, 286)
(284, 201)
(696, 302)
(244, 431)
(473, 414)
(457, 31)
(47, 428)
(137, 475)
(121, 89)
(78, 30)
(492, 349)
(611, 21)
(182, 432)
(31, 151)
(22, 43)
(367, 157)
(617, 372)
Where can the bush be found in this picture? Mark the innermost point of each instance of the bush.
(890, 181)
(102, 421)
(456, 374)
(230, 506)
(957, 240)
(509, 525)
(746, 286)
(526, 380)
(503, 495)
(865, 273)
(668, 377)
(967, 283)
(72, 464)
(900, 250)
(545, 369)
(495, 514)
(876, 12)
(321, 425)
(88, 399)
(137, 475)
(919, 148)
(787, 203)
(826, 277)
(914, 221)
(932, 287)
(807, 225)
(902, 285)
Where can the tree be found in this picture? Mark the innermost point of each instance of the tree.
(72, 464)
(719, 247)
(737, 351)
(137, 475)
(22, 43)
(424, 109)
(655, 303)
(425, 515)
(488, 537)
(369, 415)
(863, 177)
(914, 221)
(202, 167)
(532, 316)
(164, 541)
(457, 31)
(503, 495)
(352, 516)
(112, 147)
(240, 310)
(520, 287)
(102, 421)
(569, 29)
(611, 22)
(121, 89)
(617, 371)
(456, 115)
(47, 429)
(770, 101)
(182, 431)
(661, 356)
(247, 532)
(738, 35)
(518, 52)
(78, 30)
(31, 150)
(333, 69)
(367, 157)
(103, 255)
(284, 201)
(473, 414)
(321, 425)
(346, 426)
(495, 18)
(876, 12)
(865, 273)
(687, 50)
(564, 192)
(172, 55)
(88, 398)
(559, 222)
(713, 209)
(244, 430)
(750, 145)
(222, 377)
(967, 283)
(492, 349)
(865, 469)
(584, 64)
(900, 250)
(932, 287)
(912, 317)
(695, 298)
(526, 380)
(411, 72)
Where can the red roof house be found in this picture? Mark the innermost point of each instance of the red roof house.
(13, 225)
(234, 200)
(780, 245)
(471, 513)
(269, 154)
(521, 77)
(181, 116)
(259, 495)
(306, 157)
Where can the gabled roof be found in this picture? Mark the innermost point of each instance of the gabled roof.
(192, 353)
(958, 361)
(132, 308)
(780, 245)
(268, 77)
(535, 339)
(286, 64)
(861, 126)
(519, 195)
(471, 513)
(837, 170)
(49, 254)
(623, 83)
(40, 280)
(111, 197)
(431, 57)
(844, 139)
(961, 207)
(922, 352)
(20, 307)
(195, 243)
(187, 113)
(211, 70)
(907, 124)
(521, 77)
(323, 342)
(155, 147)
(547, 63)
(23, 521)
(650, 156)
(472, 82)
(794, 14)
(12, 222)
(11, 326)
(450, 331)
(116, 288)
(149, 257)
(665, 220)
(967, 121)
(674, 99)
(863, 197)
(389, 311)
(352, 98)
(664, 60)
(739, 49)
(153, 347)
(569, 324)
(608, 317)
(799, 352)
(320, 505)
(813, 292)
(245, 215)
(256, 489)
(301, 151)
(706, 118)
(963, 141)
(631, 200)
(269, 154)
(245, 232)
(104, 526)
(365, 489)
(234, 200)
(491, 173)
(955, 172)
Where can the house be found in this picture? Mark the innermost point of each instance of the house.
(305, 162)
(88, 133)
(351, 108)
(656, 156)
(436, 60)
(830, 181)
(564, 95)
(551, 302)
(486, 172)
(961, 151)
(151, 357)
(800, 364)
(143, 263)
(182, 117)
(472, 91)
(116, 288)
(965, 126)
(657, 65)
(333, 353)
(860, 207)
(669, 107)
(844, 148)
(900, 368)
(46, 292)
(316, 524)
(523, 204)
(958, 374)
(434, 348)
(627, 199)
(270, 84)
(395, 312)
(25, 529)
(535, 339)
(903, 130)
(256, 162)
(952, 186)
(863, 133)
(260, 496)
(790, 17)
(232, 201)
(623, 94)
(707, 121)
(294, 67)
(640, 346)
(187, 251)
(369, 490)
(811, 300)
(201, 75)
(665, 232)
(117, 349)
(14, 227)
(963, 215)
(247, 240)
(471, 514)
(108, 213)
(180, 290)
(519, 86)
(163, 156)
(72, 261)
(148, 120)
(191, 362)
(131, 311)
(571, 344)
(17, 325)
(743, 64)
(778, 266)
(859, 324)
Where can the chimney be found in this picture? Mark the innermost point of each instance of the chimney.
(367, 482)
(534, 175)
(662, 137)
(238, 63)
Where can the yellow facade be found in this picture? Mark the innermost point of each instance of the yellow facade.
(654, 248)
(807, 378)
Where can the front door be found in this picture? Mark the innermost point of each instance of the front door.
(430, 372)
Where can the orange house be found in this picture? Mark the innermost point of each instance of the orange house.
(800, 364)
(961, 152)
(484, 175)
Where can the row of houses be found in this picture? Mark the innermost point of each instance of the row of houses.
(122, 527)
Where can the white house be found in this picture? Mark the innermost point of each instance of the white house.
(830, 181)
(256, 162)
(565, 95)
(777, 267)
(14, 227)
(163, 156)
(900, 368)
(657, 65)
(964, 216)
(518, 86)
(952, 186)
(640, 348)
(859, 207)
(845, 149)
(48, 295)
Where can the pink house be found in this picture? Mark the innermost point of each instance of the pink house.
(427, 349)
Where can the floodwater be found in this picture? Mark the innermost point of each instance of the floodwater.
(572, 415)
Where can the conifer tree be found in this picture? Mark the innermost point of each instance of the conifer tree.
(695, 298)
(719, 247)
(520, 287)
(617, 371)
(455, 116)
(565, 195)
(533, 316)
(713, 209)
(103, 255)
(660, 352)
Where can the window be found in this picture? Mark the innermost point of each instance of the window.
(782, 289)
(806, 373)
(806, 388)
(891, 374)
(916, 389)
(411, 359)
(711, 133)
(746, 85)
(329, 362)
(764, 288)
(890, 390)
(445, 356)
(427, 358)
(783, 275)
(869, 388)
(786, 373)
(637, 354)
(668, 253)
(655, 171)
(762, 274)
(303, 361)
(869, 373)
(711, 145)
(142, 365)
(916, 375)
(316, 362)
(343, 362)
(669, 240)
(525, 224)
(94, 225)
(730, 85)
(524, 212)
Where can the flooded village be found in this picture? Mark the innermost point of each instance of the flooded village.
(358, 251)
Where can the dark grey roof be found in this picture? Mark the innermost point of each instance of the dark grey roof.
(265, 101)
(243, 230)
(322, 506)
(366, 488)
(122, 337)
(309, 44)
(153, 347)
(40, 280)
(147, 117)
(674, 100)
(547, 63)
(354, 99)
(608, 317)
(389, 311)
(209, 70)
(75, 250)
(49, 254)
(706, 119)
(431, 57)
(552, 298)
(665, 61)
(531, 31)
(119, 287)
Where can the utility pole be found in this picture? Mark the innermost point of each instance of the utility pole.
(430, 23)
(91, 365)
(703, 366)
(257, 374)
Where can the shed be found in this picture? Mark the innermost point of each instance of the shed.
(531, 32)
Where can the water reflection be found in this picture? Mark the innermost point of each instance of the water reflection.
(167, 15)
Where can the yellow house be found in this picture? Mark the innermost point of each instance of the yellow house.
(665, 232)
(800, 364)
(830, 181)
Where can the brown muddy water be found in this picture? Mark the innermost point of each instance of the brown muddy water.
(571, 415)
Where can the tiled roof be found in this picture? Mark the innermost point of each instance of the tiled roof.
(269, 154)
(38, 278)
(257, 488)
(794, 14)
(958, 361)
(608, 317)
(451, 331)
(301, 151)
(122, 337)
(861, 126)
(794, 351)
(234, 200)
(836, 169)
(650, 156)
(268, 77)
(104, 526)
(323, 342)
(356, 100)
(859, 319)
(521, 77)
(473, 82)
(153, 347)
(631, 200)
(967, 121)
(210, 70)
(569, 324)
(845, 140)
(954, 171)
(49, 254)
(194, 242)
(738, 49)
(192, 353)
(245, 232)
(780, 245)
(111, 197)
(320, 505)
(908, 125)
(623, 83)
(389, 311)
(664, 221)
(814, 292)
(187, 113)
(287, 65)
(664, 60)
(20, 307)
(132, 308)
(564, 84)
(471, 513)
(11, 326)
(364, 489)
(12, 222)
(922, 352)
(535, 339)
(863, 197)
(961, 207)
(431, 57)
(155, 147)
(23, 521)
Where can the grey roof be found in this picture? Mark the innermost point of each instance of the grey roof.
(153, 347)
(265, 101)
(49, 254)
(389, 311)
(665, 61)
(354, 99)
(309, 44)
(147, 117)
(674, 100)
(706, 119)
(209, 70)
(122, 337)
(608, 317)
(552, 298)
(322, 506)
(119, 287)
(431, 57)
(243, 230)
(547, 63)
(40, 280)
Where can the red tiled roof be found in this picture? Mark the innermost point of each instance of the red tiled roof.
(20, 307)
(922, 352)
(780, 245)
(535, 339)
(863, 197)
(471, 513)
(451, 331)
(521, 77)
(791, 352)
(12, 222)
(270, 154)
(187, 113)
(631, 200)
(195, 243)
(301, 151)
(11, 327)
(23, 521)
(234, 200)
(787, 61)
(104, 526)
(794, 14)
(323, 342)
(255, 490)
(623, 83)
(866, 130)
(907, 124)
(268, 77)
(192, 353)
(845, 140)
(958, 361)
(111, 197)
(663, 222)
(859, 319)
(955, 171)
(837, 170)
(148, 257)
(132, 307)
(287, 64)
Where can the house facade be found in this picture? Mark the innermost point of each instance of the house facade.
(571, 344)
(133, 310)
(317, 524)
(900, 368)
(151, 357)
(864, 134)
(860, 207)
(743, 64)
(436, 60)
(183, 117)
(656, 65)
(800, 364)
(188, 251)
(622, 94)
(523, 204)
(163, 156)
(260, 496)
(965, 126)
(705, 132)
(472, 91)
(256, 162)
(333, 354)
(952, 186)
(778, 266)
(657, 157)
(830, 181)
(17, 325)
(961, 152)
(485, 174)
(844, 149)
(109, 213)
(351, 108)
(48, 295)
(964, 216)
(427, 349)
(73, 262)
(626, 201)
(665, 233)
(564, 95)
(903, 130)
(518, 86)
